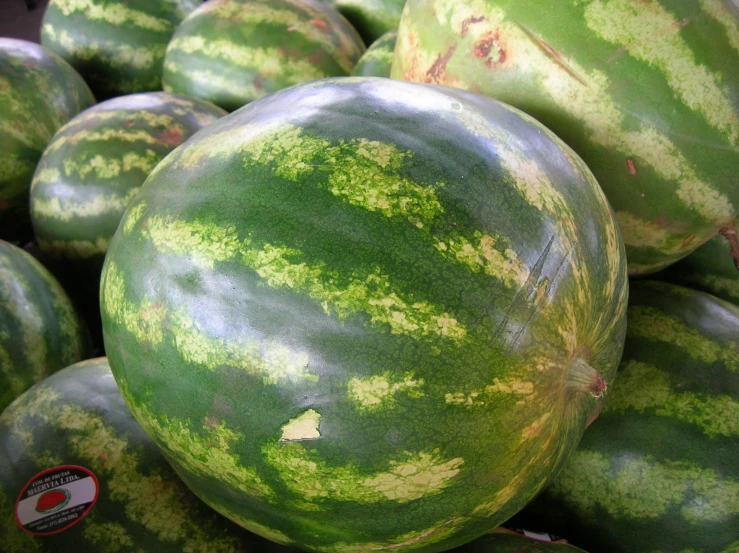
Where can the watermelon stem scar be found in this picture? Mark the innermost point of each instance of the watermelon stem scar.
(581, 377)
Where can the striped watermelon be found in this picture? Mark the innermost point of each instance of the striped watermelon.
(117, 45)
(371, 18)
(72, 437)
(645, 91)
(378, 59)
(658, 472)
(502, 540)
(367, 314)
(39, 92)
(230, 52)
(39, 329)
(95, 165)
(712, 268)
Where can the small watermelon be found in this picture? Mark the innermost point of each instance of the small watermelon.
(78, 475)
(367, 314)
(39, 92)
(657, 472)
(230, 52)
(378, 59)
(40, 331)
(371, 18)
(116, 45)
(502, 540)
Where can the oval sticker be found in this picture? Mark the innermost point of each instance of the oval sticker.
(56, 499)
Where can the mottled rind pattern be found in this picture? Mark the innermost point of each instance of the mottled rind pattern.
(657, 471)
(78, 417)
(645, 92)
(288, 43)
(40, 332)
(378, 59)
(39, 92)
(366, 337)
(118, 47)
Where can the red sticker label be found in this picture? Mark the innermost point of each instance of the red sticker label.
(56, 499)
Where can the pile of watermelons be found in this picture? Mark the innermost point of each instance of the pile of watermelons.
(361, 276)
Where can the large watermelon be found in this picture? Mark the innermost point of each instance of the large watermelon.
(712, 268)
(117, 45)
(657, 472)
(39, 92)
(371, 18)
(378, 59)
(231, 52)
(78, 475)
(40, 332)
(645, 91)
(365, 313)
(95, 165)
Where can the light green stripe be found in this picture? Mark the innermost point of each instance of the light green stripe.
(106, 135)
(378, 392)
(718, 10)
(652, 324)
(74, 249)
(116, 14)
(411, 476)
(96, 117)
(651, 34)
(209, 80)
(638, 488)
(644, 387)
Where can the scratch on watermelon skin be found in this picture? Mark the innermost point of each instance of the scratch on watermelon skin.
(292, 42)
(671, 132)
(79, 417)
(118, 48)
(346, 280)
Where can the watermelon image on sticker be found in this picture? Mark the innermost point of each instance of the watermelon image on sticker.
(363, 314)
(53, 501)
(644, 91)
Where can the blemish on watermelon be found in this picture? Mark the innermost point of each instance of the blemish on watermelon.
(438, 68)
(470, 21)
(687, 241)
(318, 23)
(552, 53)
(729, 232)
(631, 166)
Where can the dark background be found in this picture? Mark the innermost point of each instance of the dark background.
(17, 21)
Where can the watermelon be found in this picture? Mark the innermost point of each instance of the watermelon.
(712, 268)
(78, 475)
(378, 59)
(39, 92)
(230, 52)
(95, 165)
(367, 314)
(502, 540)
(117, 45)
(657, 472)
(40, 331)
(371, 18)
(645, 91)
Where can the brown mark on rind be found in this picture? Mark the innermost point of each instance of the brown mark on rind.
(490, 42)
(729, 232)
(470, 21)
(318, 23)
(552, 53)
(598, 385)
(631, 166)
(438, 68)
(687, 241)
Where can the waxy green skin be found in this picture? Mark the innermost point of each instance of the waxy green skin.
(657, 471)
(348, 312)
(644, 92)
(710, 269)
(78, 417)
(40, 332)
(117, 46)
(378, 59)
(39, 92)
(371, 18)
(505, 542)
(231, 52)
(95, 165)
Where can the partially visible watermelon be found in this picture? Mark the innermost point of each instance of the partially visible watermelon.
(39, 92)
(117, 45)
(657, 472)
(230, 52)
(712, 268)
(40, 332)
(372, 18)
(71, 439)
(505, 541)
(378, 59)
